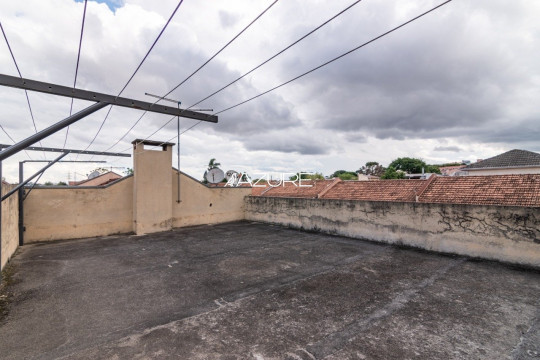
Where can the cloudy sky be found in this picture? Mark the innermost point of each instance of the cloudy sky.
(459, 83)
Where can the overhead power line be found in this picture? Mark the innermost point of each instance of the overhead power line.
(76, 68)
(336, 58)
(136, 70)
(271, 58)
(25, 92)
(193, 73)
(278, 53)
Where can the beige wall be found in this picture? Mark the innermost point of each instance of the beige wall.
(205, 205)
(10, 225)
(68, 213)
(510, 234)
(517, 171)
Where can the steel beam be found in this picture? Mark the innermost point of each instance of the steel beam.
(72, 151)
(33, 85)
(21, 145)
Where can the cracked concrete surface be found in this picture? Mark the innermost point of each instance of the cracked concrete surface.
(254, 291)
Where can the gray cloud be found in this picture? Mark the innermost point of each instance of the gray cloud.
(448, 148)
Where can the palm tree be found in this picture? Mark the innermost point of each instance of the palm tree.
(213, 164)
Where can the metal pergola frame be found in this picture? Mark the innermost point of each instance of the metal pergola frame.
(101, 100)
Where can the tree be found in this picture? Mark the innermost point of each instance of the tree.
(392, 173)
(61, 183)
(212, 164)
(348, 176)
(433, 169)
(48, 183)
(128, 171)
(409, 165)
(372, 168)
(345, 175)
(305, 176)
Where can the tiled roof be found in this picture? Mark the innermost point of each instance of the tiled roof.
(290, 190)
(384, 190)
(507, 190)
(509, 159)
(501, 190)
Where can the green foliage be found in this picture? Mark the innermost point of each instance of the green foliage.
(392, 173)
(315, 176)
(61, 183)
(434, 169)
(409, 165)
(348, 176)
(128, 171)
(212, 164)
(372, 168)
(48, 183)
(345, 175)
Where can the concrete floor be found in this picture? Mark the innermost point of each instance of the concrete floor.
(255, 291)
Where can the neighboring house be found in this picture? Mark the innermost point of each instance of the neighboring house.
(510, 162)
(451, 170)
(99, 180)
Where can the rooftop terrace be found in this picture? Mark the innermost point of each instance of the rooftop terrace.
(254, 291)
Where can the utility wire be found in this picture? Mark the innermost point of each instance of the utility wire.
(135, 72)
(76, 68)
(220, 50)
(193, 73)
(336, 58)
(277, 54)
(25, 91)
(316, 68)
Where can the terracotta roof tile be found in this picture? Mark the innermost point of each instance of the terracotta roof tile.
(384, 190)
(505, 190)
(290, 190)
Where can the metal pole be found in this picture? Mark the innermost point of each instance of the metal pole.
(21, 209)
(178, 153)
(50, 130)
(14, 190)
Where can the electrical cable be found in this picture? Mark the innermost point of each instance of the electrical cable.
(136, 70)
(336, 58)
(76, 68)
(193, 73)
(25, 91)
(278, 53)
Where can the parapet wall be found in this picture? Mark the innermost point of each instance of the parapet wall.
(10, 225)
(510, 234)
(202, 204)
(70, 213)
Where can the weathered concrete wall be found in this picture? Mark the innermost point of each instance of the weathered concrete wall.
(10, 225)
(205, 205)
(69, 213)
(510, 234)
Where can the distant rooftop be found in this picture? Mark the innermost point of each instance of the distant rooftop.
(510, 159)
(501, 190)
